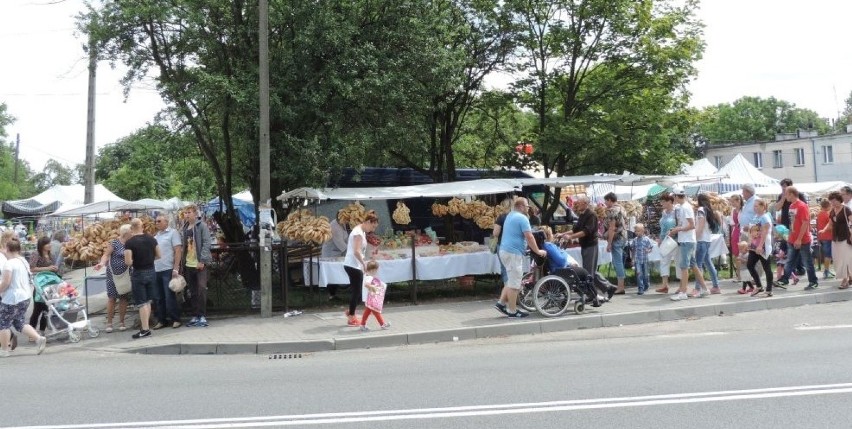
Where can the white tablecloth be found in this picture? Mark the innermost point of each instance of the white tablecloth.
(330, 271)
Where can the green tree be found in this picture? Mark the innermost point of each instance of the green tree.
(54, 173)
(341, 79)
(756, 119)
(154, 162)
(605, 80)
(11, 189)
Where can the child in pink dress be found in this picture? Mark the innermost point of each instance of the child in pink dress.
(374, 296)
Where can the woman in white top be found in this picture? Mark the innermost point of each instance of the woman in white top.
(706, 221)
(354, 262)
(16, 293)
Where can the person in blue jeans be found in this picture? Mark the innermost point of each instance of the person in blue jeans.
(167, 268)
(640, 248)
(799, 241)
(706, 221)
(616, 236)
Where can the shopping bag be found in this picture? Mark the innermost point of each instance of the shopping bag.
(667, 246)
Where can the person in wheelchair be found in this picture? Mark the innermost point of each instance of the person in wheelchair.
(558, 260)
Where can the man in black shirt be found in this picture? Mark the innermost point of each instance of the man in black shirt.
(140, 252)
(586, 231)
(782, 206)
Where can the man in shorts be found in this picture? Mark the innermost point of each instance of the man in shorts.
(514, 238)
(684, 232)
(140, 252)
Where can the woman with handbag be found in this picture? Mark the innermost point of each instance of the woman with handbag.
(667, 222)
(118, 277)
(839, 221)
(40, 261)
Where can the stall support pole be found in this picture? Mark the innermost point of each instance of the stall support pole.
(413, 271)
(264, 167)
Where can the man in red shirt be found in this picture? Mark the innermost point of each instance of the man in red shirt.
(799, 241)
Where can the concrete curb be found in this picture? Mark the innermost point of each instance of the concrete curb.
(527, 327)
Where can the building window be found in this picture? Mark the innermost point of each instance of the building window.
(758, 159)
(777, 159)
(717, 160)
(828, 154)
(800, 157)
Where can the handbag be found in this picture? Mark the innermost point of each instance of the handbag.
(667, 246)
(177, 284)
(121, 281)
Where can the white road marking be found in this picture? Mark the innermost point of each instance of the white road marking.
(690, 335)
(473, 410)
(818, 328)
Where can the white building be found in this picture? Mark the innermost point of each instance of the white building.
(802, 157)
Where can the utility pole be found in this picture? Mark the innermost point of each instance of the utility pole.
(17, 154)
(265, 238)
(89, 168)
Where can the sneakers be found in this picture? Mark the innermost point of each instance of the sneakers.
(662, 290)
(363, 328)
(811, 286)
(699, 293)
(176, 325)
(141, 334)
(501, 307)
(680, 296)
(781, 284)
(610, 291)
(122, 328)
(715, 290)
(518, 315)
(159, 325)
(192, 322)
(41, 343)
(4, 353)
(750, 290)
(108, 328)
(202, 322)
(386, 326)
(742, 291)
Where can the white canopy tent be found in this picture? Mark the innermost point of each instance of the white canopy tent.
(812, 188)
(432, 190)
(74, 194)
(699, 167)
(117, 206)
(739, 172)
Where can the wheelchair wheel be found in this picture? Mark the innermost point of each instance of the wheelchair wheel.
(552, 296)
(525, 295)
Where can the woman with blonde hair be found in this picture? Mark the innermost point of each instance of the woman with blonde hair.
(114, 256)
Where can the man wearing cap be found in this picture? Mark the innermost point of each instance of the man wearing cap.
(684, 232)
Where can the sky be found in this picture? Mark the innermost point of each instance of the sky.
(795, 51)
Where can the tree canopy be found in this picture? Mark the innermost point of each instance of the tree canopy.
(756, 119)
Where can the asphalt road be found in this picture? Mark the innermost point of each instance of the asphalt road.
(772, 369)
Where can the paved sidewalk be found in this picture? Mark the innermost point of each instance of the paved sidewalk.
(445, 322)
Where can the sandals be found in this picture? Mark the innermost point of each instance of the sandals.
(757, 291)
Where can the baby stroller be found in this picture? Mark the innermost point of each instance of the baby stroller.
(64, 311)
(554, 294)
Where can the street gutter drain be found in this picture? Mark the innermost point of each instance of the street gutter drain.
(275, 356)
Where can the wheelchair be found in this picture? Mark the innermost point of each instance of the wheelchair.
(568, 287)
